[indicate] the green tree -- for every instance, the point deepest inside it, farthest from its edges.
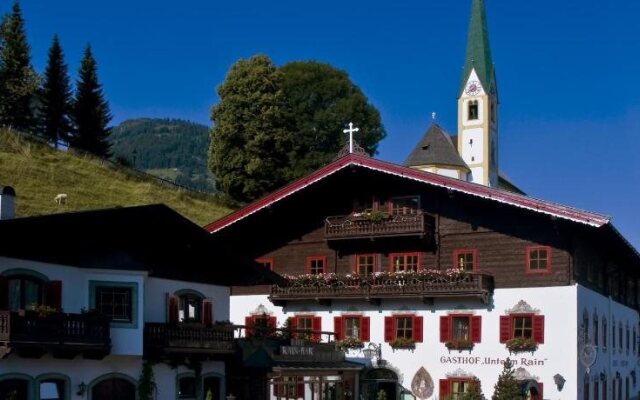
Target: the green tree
(321, 100)
(55, 97)
(250, 143)
(18, 80)
(507, 387)
(91, 113)
(475, 391)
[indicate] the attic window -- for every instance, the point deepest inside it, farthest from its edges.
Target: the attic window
(472, 113)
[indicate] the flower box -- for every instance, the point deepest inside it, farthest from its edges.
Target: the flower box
(521, 345)
(459, 345)
(349, 344)
(403, 344)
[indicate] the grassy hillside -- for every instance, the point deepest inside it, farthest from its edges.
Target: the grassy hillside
(39, 172)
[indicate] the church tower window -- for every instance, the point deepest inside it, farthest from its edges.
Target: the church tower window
(472, 112)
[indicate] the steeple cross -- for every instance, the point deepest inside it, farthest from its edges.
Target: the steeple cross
(350, 131)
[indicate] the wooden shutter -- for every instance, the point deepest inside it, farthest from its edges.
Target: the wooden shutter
(444, 388)
(338, 327)
(417, 329)
(248, 326)
(207, 311)
(173, 302)
(476, 328)
(445, 331)
(389, 329)
(272, 323)
(52, 292)
(4, 293)
(316, 327)
(365, 327)
(538, 328)
(541, 391)
(300, 386)
(505, 328)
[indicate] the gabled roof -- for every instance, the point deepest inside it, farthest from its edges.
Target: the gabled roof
(435, 147)
(456, 185)
(478, 54)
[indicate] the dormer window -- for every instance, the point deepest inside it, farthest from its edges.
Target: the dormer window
(472, 110)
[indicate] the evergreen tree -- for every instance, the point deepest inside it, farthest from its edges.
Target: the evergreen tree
(507, 387)
(249, 142)
(18, 80)
(55, 106)
(475, 391)
(91, 113)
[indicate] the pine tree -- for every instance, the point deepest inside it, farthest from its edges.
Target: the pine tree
(507, 387)
(55, 107)
(18, 80)
(475, 391)
(91, 113)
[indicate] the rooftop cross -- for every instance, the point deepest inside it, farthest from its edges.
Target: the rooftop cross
(350, 131)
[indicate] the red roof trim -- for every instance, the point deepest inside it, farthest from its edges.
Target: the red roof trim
(553, 209)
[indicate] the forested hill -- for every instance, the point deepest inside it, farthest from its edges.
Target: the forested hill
(170, 148)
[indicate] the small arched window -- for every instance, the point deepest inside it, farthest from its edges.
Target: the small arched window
(596, 330)
(189, 306)
(585, 326)
(23, 289)
(472, 111)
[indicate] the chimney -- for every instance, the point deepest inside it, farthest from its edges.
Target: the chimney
(7, 198)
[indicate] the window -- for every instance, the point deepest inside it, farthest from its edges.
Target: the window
(403, 326)
(407, 205)
(53, 387)
(604, 389)
(15, 388)
(538, 259)
(187, 387)
(316, 265)
(596, 331)
(117, 300)
(260, 325)
(306, 327)
(596, 389)
(472, 112)
(190, 308)
(585, 327)
(366, 264)
(526, 326)
(604, 334)
(288, 387)
(628, 339)
(188, 305)
(613, 335)
(22, 289)
(465, 259)
(455, 389)
(620, 341)
(458, 389)
(461, 328)
(355, 326)
(585, 388)
(265, 262)
(404, 262)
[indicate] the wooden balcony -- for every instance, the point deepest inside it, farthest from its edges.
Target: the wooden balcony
(30, 334)
(376, 224)
(183, 339)
(374, 289)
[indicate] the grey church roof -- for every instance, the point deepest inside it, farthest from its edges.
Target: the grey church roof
(435, 147)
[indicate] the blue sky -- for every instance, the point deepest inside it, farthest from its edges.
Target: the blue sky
(567, 73)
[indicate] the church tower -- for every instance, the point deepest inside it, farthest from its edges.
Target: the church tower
(478, 104)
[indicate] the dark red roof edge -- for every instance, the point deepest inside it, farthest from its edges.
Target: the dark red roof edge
(541, 206)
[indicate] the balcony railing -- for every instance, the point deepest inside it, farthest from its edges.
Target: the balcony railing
(375, 223)
(417, 285)
(188, 338)
(32, 334)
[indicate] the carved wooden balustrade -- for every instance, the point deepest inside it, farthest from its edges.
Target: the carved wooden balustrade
(188, 338)
(31, 334)
(376, 288)
(375, 223)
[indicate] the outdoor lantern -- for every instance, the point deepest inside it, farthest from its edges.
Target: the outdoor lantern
(559, 381)
(82, 388)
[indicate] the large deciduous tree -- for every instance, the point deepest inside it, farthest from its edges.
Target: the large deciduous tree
(18, 80)
(250, 143)
(321, 101)
(91, 113)
(55, 98)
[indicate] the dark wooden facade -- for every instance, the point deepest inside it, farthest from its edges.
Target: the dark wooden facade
(500, 235)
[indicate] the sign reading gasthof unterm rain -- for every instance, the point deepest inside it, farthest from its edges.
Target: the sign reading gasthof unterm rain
(477, 360)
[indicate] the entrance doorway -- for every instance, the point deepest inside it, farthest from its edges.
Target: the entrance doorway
(113, 389)
(380, 380)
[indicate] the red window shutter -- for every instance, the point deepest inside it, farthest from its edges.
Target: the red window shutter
(172, 307)
(417, 329)
(53, 294)
(538, 328)
(272, 323)
(476, 329)
(4, 293)
(389, 329)
(248, 326)
(540, 390)
(445, 332)
(505, 328)
(207, 311)
(365, 327)
(337, 327)
(300, 387)
(316, 327)
(444, 388)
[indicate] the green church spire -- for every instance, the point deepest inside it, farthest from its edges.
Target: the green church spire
(478, 54)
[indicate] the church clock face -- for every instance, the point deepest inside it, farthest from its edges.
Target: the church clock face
(474, 88)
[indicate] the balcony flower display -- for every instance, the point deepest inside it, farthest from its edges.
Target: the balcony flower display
(402, 343)
(521, 345)
(452, 275)
(349, 343)
(459, 345)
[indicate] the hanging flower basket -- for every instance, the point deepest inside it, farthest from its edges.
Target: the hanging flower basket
(459, 345)
(349, 344)
(403, 344)
(521, 345)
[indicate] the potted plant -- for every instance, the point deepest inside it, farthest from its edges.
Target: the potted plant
(349, 343)
(402, 343)
(520, 345)
(41, 310)
(459, 344)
